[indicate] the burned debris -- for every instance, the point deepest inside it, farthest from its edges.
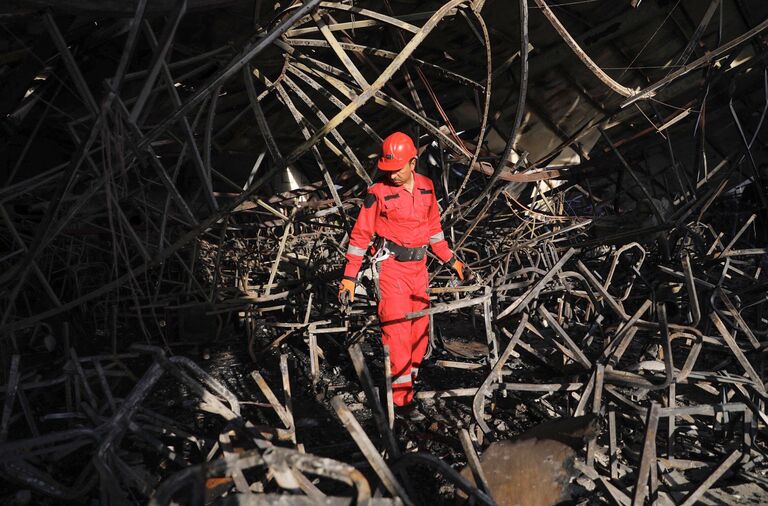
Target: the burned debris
(180, 179)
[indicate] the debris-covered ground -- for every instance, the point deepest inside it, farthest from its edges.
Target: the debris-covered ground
(179, 181)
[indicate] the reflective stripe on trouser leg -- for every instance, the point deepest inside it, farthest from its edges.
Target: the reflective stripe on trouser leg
(402, 390)
(405, 379)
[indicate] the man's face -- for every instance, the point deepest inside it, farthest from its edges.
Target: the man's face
(403, 175)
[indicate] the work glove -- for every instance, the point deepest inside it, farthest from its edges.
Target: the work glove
(462, 271)
(346, 291)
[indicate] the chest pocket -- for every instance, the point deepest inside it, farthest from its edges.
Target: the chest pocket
(423, 202)
(391, 206)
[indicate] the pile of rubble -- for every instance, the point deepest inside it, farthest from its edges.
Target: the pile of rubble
(654, 358)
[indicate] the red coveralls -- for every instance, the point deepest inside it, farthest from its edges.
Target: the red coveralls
(411, 220)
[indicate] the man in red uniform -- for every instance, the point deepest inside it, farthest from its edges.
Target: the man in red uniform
(402, 213)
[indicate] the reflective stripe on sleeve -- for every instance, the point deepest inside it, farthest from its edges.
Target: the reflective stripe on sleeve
(354, 250)
(440, 236)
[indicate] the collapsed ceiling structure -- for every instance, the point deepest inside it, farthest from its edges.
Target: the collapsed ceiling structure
(179, 180)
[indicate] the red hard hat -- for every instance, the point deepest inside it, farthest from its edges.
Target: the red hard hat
(397, 150)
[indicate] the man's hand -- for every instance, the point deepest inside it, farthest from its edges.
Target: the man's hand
(346, 291)
(462, 271)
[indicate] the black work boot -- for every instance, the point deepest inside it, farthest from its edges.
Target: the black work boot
(409, 412)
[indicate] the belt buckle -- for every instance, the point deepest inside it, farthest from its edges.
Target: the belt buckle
(382, 253)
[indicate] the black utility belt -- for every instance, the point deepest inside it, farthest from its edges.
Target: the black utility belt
(401, 253)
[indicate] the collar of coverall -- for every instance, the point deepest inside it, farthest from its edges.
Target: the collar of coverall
(418, 184)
